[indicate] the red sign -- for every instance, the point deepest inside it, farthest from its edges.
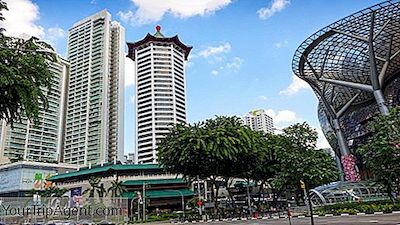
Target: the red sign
(199, 203)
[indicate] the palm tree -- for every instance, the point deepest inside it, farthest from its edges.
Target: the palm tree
(59, 192)
(117, 188)
(94, 185)
(53, 191)
(101, 191)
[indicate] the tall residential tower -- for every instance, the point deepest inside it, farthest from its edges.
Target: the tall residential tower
(160, 90)
(258, 120)
(94, 129)
(42, 141)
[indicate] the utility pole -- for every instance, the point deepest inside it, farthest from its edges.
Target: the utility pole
(199, 193)
(138, 206)
(144, 201)
(248, 198)
(307, 200)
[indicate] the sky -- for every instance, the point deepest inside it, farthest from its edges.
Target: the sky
(242, 49)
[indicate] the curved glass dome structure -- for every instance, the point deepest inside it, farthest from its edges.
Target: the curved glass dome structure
(353, 67)
(340, 191)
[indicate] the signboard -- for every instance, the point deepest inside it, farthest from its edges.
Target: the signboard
(76, 191)
(302, 185)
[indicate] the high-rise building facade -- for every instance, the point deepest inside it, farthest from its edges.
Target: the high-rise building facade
(160, 90)
(42, 141)
(258, 120)
(94, 126)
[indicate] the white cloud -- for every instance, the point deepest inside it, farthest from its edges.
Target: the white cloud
(276, 6)
(283, 116)
(215, 50)
(294, 87)
(281, 44)
(127, 17)
(214, 72)
(189, 64)
(54, 33)
(262, 98)
(153, 11)
(129, 72)
(321, 142)
(235, 64)
(21, 18)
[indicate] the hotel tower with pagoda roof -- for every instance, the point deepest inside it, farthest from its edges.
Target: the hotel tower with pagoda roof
(160, 90)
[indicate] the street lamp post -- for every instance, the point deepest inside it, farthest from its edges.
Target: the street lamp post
(144, 201)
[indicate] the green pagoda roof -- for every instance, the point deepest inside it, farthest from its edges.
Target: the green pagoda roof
(155, 181)
(167, 193)
(105, 168)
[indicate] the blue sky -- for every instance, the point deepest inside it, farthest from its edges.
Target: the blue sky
(242, 49)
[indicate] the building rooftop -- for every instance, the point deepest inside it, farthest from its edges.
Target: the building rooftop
(166, 193)
(155, 181)
(158, 37)
(105, 168)
(31, 164)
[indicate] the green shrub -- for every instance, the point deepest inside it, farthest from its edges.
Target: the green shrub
(354, 208)
(348, 211)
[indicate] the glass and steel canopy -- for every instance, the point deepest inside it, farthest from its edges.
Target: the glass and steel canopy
(345, 191)
(351, 61)
(339, 61)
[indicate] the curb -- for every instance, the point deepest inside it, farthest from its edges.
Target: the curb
(279, 217)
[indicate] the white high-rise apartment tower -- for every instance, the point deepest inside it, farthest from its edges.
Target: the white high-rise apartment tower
(42, 141)
(258, 120)
(94, 126)
(160, 90)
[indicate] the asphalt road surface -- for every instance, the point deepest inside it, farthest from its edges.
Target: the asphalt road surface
(386, 219)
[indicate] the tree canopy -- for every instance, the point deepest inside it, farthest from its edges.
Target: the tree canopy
(381, 153)
(299, 159)
(224, 148)
(25, 77)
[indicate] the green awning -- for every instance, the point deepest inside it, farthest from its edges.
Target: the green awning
(106, 167)
(136, 166)
(81, 172)
(154, 181)
(167, 193)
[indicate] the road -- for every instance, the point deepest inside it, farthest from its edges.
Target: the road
(386, 219)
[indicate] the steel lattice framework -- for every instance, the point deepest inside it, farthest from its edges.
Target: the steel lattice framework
(349, 61)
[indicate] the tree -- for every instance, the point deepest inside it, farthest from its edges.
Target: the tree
(94, 187)
(224, 148)
(54, 191)
(207, 150)
(25, 77)
(381, 153)
(3, 6)
(299, 159)
(116, 188)
(182, 151)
